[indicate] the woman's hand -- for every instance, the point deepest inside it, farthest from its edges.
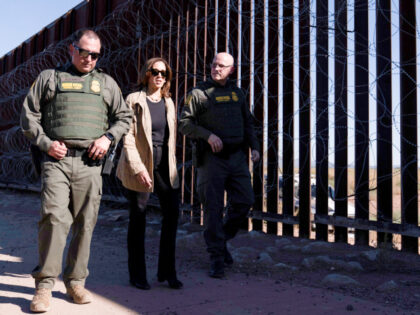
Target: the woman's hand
(144, 178)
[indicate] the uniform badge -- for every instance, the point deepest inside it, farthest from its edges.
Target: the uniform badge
(95, 86)
(71, 86)
(222, 99)
(235, 97)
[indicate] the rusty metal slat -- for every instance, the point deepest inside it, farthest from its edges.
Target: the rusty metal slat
(2, 65)
(139, 44)
(67, 24)
(408, 79)
(361, 117)
(10, 61)
(187, 84)
(340, 116)
(222, 23)
(234, 35)
(273, 113)
(288, 111)
(211, 28)
(195, 202)
(116, 3)
(304, 120)
(384, 113)
(258, 76)
(321, 115)
(81, 18)
(245, 53)
(245, 60)
(53, 33)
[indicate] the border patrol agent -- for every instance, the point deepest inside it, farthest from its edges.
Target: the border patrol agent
(217, 117)
(72, 115)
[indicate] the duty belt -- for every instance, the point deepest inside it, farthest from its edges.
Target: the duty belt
(75, 152)
(228, 150)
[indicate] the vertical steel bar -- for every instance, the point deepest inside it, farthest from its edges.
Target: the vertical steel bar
(273, 113)
(187, 52)
(321, 204)
(221, 28)
(384, 115)
(408, 77)
(361, 116)
(256, 98)
(304, 120)
(340, 116)
(288, 192)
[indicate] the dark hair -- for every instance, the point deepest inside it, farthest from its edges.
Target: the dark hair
(90, 33)
(145, 75)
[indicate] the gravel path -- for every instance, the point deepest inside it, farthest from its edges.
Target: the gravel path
(270, 275)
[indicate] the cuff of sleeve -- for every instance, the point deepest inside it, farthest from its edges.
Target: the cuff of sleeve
(205, 135)
(45, 144)
(137, 168)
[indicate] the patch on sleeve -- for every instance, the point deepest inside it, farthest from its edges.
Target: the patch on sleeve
(188, 99)
(235, 97)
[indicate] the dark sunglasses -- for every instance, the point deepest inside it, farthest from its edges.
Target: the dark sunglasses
(86, 53)
(155, 72)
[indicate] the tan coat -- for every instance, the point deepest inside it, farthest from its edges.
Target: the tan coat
(137, 153)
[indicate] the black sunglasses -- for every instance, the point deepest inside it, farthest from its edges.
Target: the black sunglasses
(155, 72)
(86, 53)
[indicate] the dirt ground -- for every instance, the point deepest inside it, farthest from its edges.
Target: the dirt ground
(253, 285)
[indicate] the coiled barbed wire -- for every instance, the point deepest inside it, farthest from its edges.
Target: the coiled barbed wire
(138, 30)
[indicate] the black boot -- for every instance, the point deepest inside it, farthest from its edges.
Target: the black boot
(140, 284)
(173, 281)
(228, 257)
(217, 268)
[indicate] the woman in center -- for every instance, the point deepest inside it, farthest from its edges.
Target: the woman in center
(148, 164)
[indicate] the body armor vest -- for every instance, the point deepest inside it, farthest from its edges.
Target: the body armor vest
(224, 116)
(78, 110)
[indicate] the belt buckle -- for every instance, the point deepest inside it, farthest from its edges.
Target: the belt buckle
(71, 152)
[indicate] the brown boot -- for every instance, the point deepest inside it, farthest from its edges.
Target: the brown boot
(79, 294)
(42, 300)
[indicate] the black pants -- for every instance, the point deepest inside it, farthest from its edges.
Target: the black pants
(216, 175)
(169, 203)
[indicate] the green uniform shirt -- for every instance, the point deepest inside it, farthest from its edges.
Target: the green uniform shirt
(197, 103)
(43, 92)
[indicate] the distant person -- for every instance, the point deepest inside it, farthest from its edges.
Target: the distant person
(217, 116)
(72, 114)
(148, 164)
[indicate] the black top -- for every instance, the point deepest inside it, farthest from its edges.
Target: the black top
(159, 124)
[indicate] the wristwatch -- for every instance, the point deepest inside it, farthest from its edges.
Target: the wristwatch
(109, 136)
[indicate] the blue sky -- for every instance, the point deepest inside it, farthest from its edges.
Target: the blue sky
(20, 19)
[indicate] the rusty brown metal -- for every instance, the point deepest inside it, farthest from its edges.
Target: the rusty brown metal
(340, 116)
(361, 117)
(288, 191)
(321, 203)
(409, 159)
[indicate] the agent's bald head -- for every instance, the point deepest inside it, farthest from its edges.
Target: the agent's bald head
(222, 67)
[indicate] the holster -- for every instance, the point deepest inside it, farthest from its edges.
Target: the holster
(36, 157)
(197, 153)
(109, 161)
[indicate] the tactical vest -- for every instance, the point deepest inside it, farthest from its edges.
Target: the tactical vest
(224, 116)
(78, 110)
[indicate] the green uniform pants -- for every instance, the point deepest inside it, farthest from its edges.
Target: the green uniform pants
(70, 197)
(214, 176)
